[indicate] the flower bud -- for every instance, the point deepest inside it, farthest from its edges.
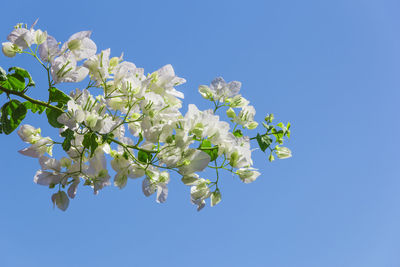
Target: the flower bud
(40, 37)
(9, 49)
(283, 152)
(205, 92)
(271, 158)
(252, 125)
(215, 198)
(231, 113)
(238, 101)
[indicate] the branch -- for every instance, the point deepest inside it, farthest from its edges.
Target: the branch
(130, 146)
(34, 101)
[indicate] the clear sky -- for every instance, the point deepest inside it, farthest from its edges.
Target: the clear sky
(331, 68)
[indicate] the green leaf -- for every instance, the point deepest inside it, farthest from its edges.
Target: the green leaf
(238, 133)
(144, 157)
(16, 81)
(52, 116)
(90, 141)
(207, 147)
(34, 107)
(12, 113)
(24, 74)
(278, 135)
(264, 141)
(69, 136)
(287, 131)
(58, 96)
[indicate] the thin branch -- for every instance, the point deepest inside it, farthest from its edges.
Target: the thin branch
(34, 101)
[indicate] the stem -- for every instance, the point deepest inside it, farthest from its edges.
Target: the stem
(129, 146)
(34, 101)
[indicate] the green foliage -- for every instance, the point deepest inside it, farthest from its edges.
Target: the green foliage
(264, 141)
(90, 142)
(144, 157)
(12, 113)
(238, 133)
(34, 107)
(52, 116)
(21, 73)
(207, 147)
(16, 79)
(69, 136)
(57, 96)
(279, 132)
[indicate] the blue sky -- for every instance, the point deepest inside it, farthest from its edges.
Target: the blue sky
(331, 68)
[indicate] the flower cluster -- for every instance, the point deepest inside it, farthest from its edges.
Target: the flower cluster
(136, 120)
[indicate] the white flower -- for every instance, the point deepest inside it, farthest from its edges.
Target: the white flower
(73, 116)
(9, 49)
(49, 49)
(73, 188)
(156, 181)
(47, 178)
(219, 90)
(29, 134)
(21, 37)
(237, 150)
(61, 200)
(283, 152)
(98, 66)
(64, 69)
(80, 45)
(202, 124)
(36, 150)
(199, 193)
(128, 78)
(215, 198)
(248, 175)
(98, 170)
(246, 116)
(163, 81)
(49, 164)
(39, 37)
(194, 161)
(125, 168)
(191, 179)
(237, 101)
